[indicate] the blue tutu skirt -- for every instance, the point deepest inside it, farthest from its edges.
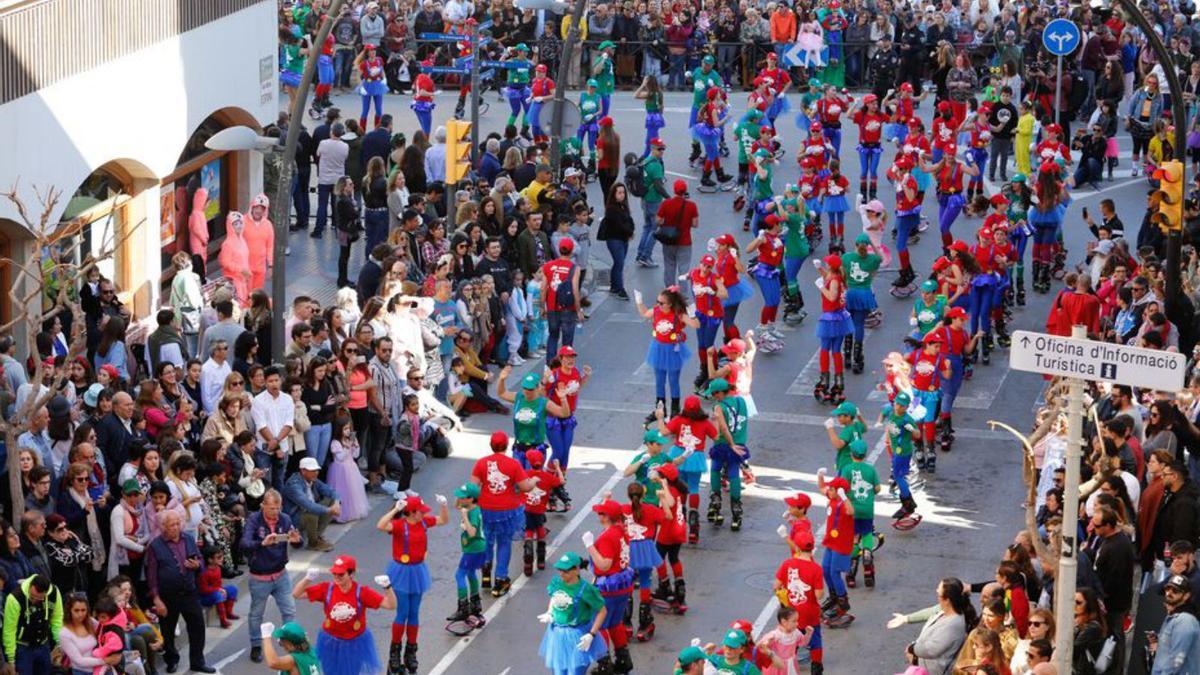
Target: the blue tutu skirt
(924, 180)
(929, 401)
(504, 523)
(697, 462)
(705, 134)
(348, 657)
(289, 79)
(983, 281)
(751, 406)
(558, 649)
(802, 121)
(834, 325)
(472, 561)
(835, 204)
(643, 555)
(779, 107)
(654, 120)
(894, 131)
(410, 578)
(516, 93)
(372, 88)
(664, 356)
(723, 455)
(813, 205)
(869, 149)
(324, 69)
(422, 106)
(737, 293)
(860, 300)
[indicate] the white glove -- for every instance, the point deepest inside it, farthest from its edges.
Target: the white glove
(383, 581)
(695, 642)
(401, 501)
(440, 499)
(588, 539)
(829, 423)
(782, 531)
(821, 472)
(637, 296)
(266, 630)
(687, 453)
(820, 284)
(545, 618)
(585, 642)
(841, 494)
(912, 320)
(311, 574)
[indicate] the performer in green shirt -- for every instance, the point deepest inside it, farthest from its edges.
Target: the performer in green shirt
(517, 91)
(297, 657)
(703, 79)
(573, 618)
(602, 70)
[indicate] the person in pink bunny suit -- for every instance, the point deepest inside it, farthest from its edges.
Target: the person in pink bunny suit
(198, 231)
(235, 257)
(260, 240)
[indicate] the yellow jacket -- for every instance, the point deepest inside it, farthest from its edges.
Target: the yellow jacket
(566, 26)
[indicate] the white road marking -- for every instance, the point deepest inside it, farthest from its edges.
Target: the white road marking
(643, 374)
(229, 659)
(583, 512)
(806, 379)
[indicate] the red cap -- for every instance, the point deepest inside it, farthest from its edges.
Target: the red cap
(944, 106)
(985, 233)
(343, 564)
(415, 504)
(657, 143)
(691, 403)
(941, 263)
(608, 508)
(1053, 128)
(772, 56)
(807, 162)
(471, 21)
(772, 219)
(950, 150)
(566, 246)
(499, 441)
(1049, 167)
(906, 86)
(726, 240)
(960, 246)
(734, 346)
(904, 162)
(668, 471)
(106, 368)
(803, 539)
(838, 482)
(956, 313)
(798, 501)
(567, 350)
(815, 126)
(933, 338)
(680, 187)
(606, 121)
(535, 458)
(712, 93)
(708, 260)
(744, 626)
(541, 68)
(998, 199)
(834, 261)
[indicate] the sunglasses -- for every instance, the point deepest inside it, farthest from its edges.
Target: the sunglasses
(1037, 623)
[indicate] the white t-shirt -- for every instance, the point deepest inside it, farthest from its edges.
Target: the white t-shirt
(331, 160)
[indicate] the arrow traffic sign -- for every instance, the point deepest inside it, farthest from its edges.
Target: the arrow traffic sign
(1097, 361)
(1061, 37)
(795, 57)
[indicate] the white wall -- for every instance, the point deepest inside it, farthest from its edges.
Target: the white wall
(142, 107)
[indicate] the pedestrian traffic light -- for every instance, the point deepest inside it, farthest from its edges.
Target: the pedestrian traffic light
(1167, 201)
(458, 150)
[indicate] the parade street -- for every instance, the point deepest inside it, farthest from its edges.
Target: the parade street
(971, 508)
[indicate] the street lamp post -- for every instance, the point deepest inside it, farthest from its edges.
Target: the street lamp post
(557, 105)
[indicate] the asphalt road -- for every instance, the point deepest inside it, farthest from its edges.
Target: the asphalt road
(971, 508)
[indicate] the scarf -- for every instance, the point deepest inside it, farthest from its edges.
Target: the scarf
(93, 530)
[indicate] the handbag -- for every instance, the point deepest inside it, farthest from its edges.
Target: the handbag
(668, 235)
(1193, 140)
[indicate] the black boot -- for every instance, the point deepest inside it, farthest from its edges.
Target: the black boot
(723, 177)
(706, 179)
(501, 587)
(622, 661)
(679, 604)
(395, 665)
(852, 575)
(820, 391)
(663, 592)
(528, 557)
(541, 554)
(987, 349)
(645, 629)
(410, 658)
(847, 348)
(674, 407)
(463, 611)
(693, 520)
(702, 376)
(604, 666)
(735, 510)
(816, 669)
(1020, 295)
(931, 461)
(476, 604)
(859, 362)
(837, 389)
(919, 453)
(486, 575)
(651, 417)
(628, 618)
(1002, 337)
(695, 153)
(714, 510)
(868, 562)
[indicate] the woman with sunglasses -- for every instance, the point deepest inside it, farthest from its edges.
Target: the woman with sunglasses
(1041, 627)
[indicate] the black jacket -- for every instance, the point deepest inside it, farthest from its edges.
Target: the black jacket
(368, 281)
(1113, 564)
(113, 440)
(1176, 519)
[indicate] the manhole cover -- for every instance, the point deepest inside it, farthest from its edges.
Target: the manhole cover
(762, 581)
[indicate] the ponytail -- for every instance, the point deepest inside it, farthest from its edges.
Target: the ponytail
(636, 492)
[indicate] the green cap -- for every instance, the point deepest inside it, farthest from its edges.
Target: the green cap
(652, 436)
(708, 58)
(131, 487)
(734, 639)
(902, 399)
(753, 114)
(607, 44)
(718, 385)
(592, 83)
(467, 491)
(531, 381)
(521, 47)
(689, 655)
(1019, 178)
(846, 408)
(292, 632)
(569, 561)
(858, 448)
(862, 239)
(929, 286)
(814, 83)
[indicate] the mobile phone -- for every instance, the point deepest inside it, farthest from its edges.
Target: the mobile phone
(1085, 215)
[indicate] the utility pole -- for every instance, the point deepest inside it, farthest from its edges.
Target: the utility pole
(1068, 563)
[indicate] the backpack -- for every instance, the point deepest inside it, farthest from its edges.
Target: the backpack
(635, 175)
(564, 295)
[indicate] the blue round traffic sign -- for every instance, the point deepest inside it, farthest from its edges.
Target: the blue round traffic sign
(1061, 37)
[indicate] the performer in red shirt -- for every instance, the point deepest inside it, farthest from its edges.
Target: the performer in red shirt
(832, 328)
(408, 522)
(870, 120)
(672, 534)
(839, 544)
(709, 290)
(540, 91)
(501, 480)
(609, 554)
(536, 502)
(345, 645)
(799, 584)
(642, 523)
(422, 104)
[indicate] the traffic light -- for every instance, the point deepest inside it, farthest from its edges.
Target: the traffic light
(1167, 201)
(458, 150)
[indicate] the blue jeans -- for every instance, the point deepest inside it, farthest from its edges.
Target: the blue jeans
(617, 248)
(645, 250)
(1091, 170)
(317, 440)
(32, 660)
(324, 196)
(300, 201)
(675, 77)
(260, 591)
(834, 565)
(561, 324)
(376, 221)
(342, 60)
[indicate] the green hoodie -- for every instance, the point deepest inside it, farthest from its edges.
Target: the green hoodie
(16, 608)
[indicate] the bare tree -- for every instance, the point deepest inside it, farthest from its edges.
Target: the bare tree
(43, 288)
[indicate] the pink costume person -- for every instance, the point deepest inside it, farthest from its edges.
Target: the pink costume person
(260, 240)
(784, 645)
(198, 230)
(235, 257)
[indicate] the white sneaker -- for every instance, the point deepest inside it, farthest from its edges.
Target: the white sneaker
(287, 250)
(515, 360)
(774, 331)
